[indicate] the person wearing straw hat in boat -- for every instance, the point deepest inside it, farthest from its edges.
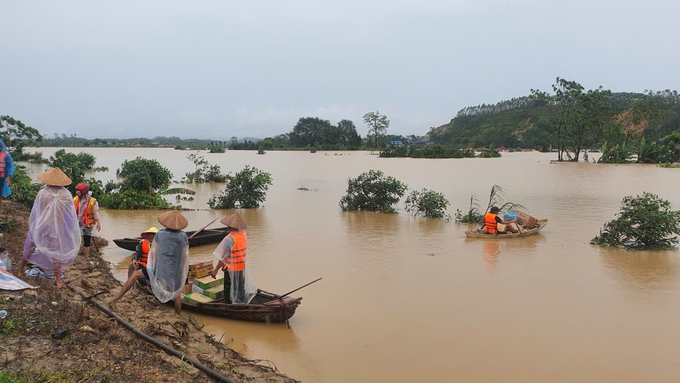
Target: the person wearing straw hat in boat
(137, 269)
(231, 253)
(53, 237)
(168, 260)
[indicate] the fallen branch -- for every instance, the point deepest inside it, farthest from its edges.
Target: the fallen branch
(182, 356)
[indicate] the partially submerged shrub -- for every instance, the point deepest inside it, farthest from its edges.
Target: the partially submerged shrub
(204, 172)
(143, 174)
(373, 191)
(645, 222)
(428, 203)
(246, 189)
(491, 152)
(23, 188)
(473, 214)
(131, 200)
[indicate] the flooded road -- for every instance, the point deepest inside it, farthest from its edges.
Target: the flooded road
(405, 299)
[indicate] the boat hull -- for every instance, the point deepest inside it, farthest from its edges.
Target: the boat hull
(477, 234)
(203, 238)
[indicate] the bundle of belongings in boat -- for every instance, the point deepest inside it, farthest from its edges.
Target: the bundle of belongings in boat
(202, 288)
(524, 220)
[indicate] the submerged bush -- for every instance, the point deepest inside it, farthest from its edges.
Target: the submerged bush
(142, 174)
(246, 189)
(428, 203)
(473, 214)
(204, 172)
(491, 152)
(645, 222)
(131, 200)
(373, 191)
(23, 188)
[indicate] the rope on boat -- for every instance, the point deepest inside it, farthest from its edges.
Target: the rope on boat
(184, 357)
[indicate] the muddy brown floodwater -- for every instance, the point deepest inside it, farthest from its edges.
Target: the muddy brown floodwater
(405, 299)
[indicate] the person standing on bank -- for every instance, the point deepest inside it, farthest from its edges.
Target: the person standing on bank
(6, 172)
(231, 253)
(87, 210)
(168, 260)
(53, 237)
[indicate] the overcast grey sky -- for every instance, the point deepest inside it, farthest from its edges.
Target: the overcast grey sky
(215, 69)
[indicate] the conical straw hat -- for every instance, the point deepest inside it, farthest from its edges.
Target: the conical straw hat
(152, 230)
(54, 177)
(173, 220)
(234, 221)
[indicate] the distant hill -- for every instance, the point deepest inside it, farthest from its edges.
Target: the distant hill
(528, 123)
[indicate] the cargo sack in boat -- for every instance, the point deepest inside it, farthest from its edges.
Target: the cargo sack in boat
(501, 227)
(196, 298)
(206, 283)
(510, 216)
(526, 220)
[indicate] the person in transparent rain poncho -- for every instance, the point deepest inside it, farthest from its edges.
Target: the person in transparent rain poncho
(168, 260)
(53, 237)
(239, 287)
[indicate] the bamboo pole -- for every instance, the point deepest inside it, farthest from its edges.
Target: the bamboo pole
(200, 366)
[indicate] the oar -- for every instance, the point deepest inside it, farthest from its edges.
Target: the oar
(201, 229)
(290, 292)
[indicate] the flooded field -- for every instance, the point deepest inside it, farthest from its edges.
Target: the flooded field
(406, 299)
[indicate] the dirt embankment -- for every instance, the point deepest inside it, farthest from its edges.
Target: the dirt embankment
(94, 346)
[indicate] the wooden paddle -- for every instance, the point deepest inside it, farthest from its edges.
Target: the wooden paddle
(201, 229)
(292, 291)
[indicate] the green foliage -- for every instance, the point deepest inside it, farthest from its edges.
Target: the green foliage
(246, 189)
(377, 125)
(204, 173)
(427, 151)
(649, 152)
(373, 191)
(428, 203)
(23, 188)
(74, 166)
(490, 152)
(615, 154)
(260, 150)
(216, 148)
(645, 222)
(473, 214)
(16, 135)
(144, 175)
(34, 158)
(131, 200)
(316, 132)
(672, 144)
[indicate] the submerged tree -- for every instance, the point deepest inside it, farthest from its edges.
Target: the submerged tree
(377, 125)
(373, 191)
(427, 203)
(645, 222)
(204, 172)
(245, 189)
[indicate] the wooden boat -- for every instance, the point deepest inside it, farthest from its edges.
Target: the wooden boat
(264, 307)
(480, 233)
(203, 238)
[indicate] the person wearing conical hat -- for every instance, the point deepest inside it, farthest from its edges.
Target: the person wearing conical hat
(231, 255)
(53, 237)
(137, 270)
(168, 261)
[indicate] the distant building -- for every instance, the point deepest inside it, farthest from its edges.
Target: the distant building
(395, 143)
(421, 142)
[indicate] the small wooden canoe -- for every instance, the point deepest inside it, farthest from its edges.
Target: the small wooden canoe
(264, 307)
(203, 238)
(482, 234)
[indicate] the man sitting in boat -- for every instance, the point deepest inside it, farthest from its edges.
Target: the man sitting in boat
(492, 220)
(231, 254)
(137, 269)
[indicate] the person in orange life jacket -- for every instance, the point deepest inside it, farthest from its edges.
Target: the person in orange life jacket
(6, 172)
(87, 210)
(137, 269)
(491, 221)
(232, 254)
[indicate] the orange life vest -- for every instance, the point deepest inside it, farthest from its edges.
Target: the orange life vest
(145, 252)
(3, 155)
(89, 211)
(236, 261)
(490, 223)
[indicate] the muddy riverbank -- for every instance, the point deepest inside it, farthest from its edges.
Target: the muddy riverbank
(95, 347)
